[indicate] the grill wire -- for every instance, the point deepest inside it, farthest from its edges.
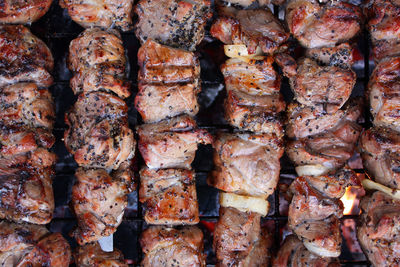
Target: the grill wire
(57, 30)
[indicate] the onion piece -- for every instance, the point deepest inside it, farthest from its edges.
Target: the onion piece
(312, 170)
(240, 51)
(371, 185)
(320, 250)
(244, 203)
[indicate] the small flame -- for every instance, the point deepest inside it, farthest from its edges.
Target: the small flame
(349, 199)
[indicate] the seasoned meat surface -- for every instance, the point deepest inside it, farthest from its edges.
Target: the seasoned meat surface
(340, 55)
(99, 135)
(383, 93)
(100, 13)
(176, 23)
(249, 3)
(169, 196)
(253, 28)
(32, 245)
(99, 200)
(169, 77)
(322, 23)
(24, 57)
(97, 60)
(378, 231)
(239, 239)
(383, 25)
(165, 246)
(22, 12)
(293, 253)
(171, 143)
(91, 255)
(246, 164)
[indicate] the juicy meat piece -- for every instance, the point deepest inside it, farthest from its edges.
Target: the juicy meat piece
(165, 246)
(32, 245)
(91, 255)
(23, 12)
(24, 57)
(169, 77)
(247, 164)
(325, 23)
(26, 104)
(177, 23)
(169, 196)
(378, 231)
(239, 239)
(319, 138)
(339, 55)
(171, 143)
(293, 253)
(97, 59)
(99, 135)
(383, 93)
(380, 151)
(100, 13)
(323, 87)
(383, 25)
(99, 200)
(253, 28)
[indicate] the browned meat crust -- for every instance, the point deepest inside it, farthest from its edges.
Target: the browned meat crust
(91, 255)
(23, 12)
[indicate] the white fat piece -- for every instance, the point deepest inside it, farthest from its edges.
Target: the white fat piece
(371, 185)
(320, 251)
(312, 170)
(240, 51)
(244, 203)
(107, 243)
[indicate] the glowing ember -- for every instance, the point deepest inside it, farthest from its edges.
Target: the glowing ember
(350, 201)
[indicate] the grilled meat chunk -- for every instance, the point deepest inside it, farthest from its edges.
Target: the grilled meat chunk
(176, 23)
(294, 253)
(383, 93)
(91, 255)
(383, 25)
(325, 23)
(32, 245)
(99, 200)
(97, 59)
(239, 239)
(338, 56)
(380, 150)
(99, 135)
(254, 100)
(249, 3)
(323, 87)
(165, 246)
(24, 57)
(169, 77)
(23, 12)
(100, 13)
(253, 28)
(378, 231)
(169, 196)
(246, 164)
(26, 104)
(171, 143)
(325, 139)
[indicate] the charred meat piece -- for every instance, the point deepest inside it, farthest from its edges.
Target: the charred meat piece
(383, 93)
(165, 246)
(323, 87)
(380, 150)
(171, 143)
(253, 28)
(254, 100)
(239, 239)
(26, 104)
(100, 13)
(97, 59)
(23, 12)
(247, 164)
(169, 196)
(338, 56)
(294, 253)
(91, 255)
(99, 135)
(325, 23)
(176, 23)
(320, 138)
(24, 57)
(168, 82)
(99, 200)
(383, 25)
(32, 245)
(378, 231)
